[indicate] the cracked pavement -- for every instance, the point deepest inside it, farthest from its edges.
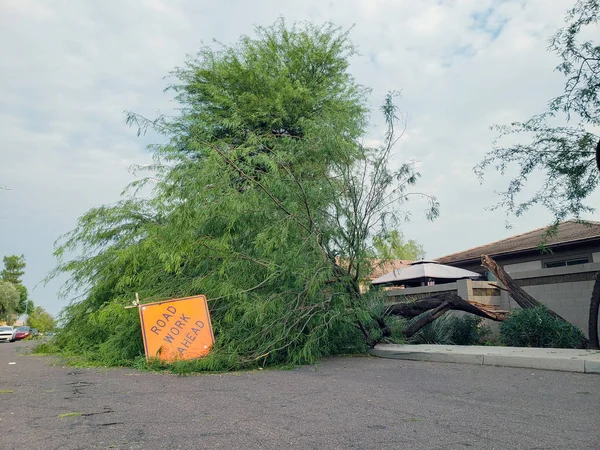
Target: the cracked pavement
(359, 402)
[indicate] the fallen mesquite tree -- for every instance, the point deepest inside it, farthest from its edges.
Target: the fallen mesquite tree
(261, 186)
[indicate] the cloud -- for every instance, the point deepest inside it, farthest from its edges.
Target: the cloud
(69, 70)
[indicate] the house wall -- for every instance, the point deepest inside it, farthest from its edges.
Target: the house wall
(524, 266)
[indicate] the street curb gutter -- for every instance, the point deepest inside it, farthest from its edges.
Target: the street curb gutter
(581, 361)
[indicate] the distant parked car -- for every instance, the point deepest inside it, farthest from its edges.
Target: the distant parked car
(7, 334)
(22, 333)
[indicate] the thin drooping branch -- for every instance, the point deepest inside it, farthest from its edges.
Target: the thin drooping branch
(261, 186)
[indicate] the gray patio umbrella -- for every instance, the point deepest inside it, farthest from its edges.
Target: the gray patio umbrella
(420, 270)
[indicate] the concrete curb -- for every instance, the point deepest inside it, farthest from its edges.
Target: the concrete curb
(567, 360)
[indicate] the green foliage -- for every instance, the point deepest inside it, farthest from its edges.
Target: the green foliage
(468, 330)
(391, 245)
(41, 319)
(439, 331)
(449, 329)
(263, 199)
(396, 325)
(14, 269)
(535, 327)
(563, 152)
(9, 300)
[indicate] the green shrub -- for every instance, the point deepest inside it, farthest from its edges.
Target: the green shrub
(451, 330)
(537, 328)
(396, 326)
(467, 330)
(437, 332)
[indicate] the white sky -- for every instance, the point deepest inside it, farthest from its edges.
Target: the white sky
(69, 70)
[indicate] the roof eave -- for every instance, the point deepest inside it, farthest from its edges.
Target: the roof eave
(519, 252)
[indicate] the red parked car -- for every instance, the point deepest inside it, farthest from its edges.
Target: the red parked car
(22, 333)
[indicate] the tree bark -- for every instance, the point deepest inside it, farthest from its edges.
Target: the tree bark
(452, 301)
(595, 300)
(436, 313)
(593, 318)
(523, 299)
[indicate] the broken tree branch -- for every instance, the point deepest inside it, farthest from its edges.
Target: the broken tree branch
(519, 295)
(453, 301)
(436, 313)
(523, 299)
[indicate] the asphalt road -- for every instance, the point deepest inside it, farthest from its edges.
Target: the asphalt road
(342, 403)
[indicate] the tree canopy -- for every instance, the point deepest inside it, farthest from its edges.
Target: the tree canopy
(40, 319)
(9, 300)
(391, 245)
(263, 199)
(14, 269)
(563, 139)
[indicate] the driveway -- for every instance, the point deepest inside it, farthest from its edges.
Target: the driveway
(360, 402)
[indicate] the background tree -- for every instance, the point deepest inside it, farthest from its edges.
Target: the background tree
(41, 319)
(391, 245)
(9, 300)
(563, 139)
(264, 200)
(14, 269)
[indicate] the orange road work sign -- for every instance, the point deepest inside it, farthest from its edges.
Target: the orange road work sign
(176, 329)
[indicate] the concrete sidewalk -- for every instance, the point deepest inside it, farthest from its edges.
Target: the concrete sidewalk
(585, 361)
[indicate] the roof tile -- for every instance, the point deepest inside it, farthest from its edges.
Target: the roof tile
(570, 231)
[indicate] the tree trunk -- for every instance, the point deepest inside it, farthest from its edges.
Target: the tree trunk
(593, 319)
(436, 313)
(595, 300)
(598, 155)
(452, 301)
(523, 299)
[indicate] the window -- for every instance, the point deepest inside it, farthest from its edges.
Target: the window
(567, 262)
